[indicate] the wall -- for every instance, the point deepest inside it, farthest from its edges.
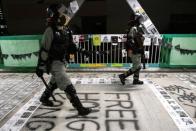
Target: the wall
(19, 51)
(179, 50)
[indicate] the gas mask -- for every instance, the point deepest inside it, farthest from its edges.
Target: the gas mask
(61, 20)
(56, 15)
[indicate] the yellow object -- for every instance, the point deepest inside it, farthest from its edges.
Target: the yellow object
(93, 65)
(96, 40)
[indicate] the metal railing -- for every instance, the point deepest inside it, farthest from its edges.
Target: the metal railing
(113, 52)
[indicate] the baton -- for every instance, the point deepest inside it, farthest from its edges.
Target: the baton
(48, 88)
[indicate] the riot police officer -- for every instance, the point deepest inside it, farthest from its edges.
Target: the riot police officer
(56, 42)
(134, 46)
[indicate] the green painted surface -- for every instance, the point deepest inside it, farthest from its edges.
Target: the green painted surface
(177, 58)
(21, 53)
(171, 57)
(21, 37)
(24, 47)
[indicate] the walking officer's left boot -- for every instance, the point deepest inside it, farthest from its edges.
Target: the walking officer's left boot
(124, 76)
(136, 80)
(73, 98)
(44, 99)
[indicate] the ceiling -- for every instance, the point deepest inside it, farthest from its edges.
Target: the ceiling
(28, 16)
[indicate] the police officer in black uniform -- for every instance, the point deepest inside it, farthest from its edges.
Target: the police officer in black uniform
(135, 49)
(56, 43)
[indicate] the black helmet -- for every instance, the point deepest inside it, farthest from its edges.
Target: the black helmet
(55, 14)
(55, 9)
(137, 18)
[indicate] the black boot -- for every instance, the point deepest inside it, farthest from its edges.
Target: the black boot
(47, 94)
(137, 82)
(124, 76)
(83, 111)
(72, 96)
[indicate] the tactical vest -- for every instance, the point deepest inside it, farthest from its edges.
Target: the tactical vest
(136, 43)
(61, 41)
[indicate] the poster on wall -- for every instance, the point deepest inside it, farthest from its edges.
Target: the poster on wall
(76, 39)
(74, 6)
(124, 53)
(147, 54)
(104, 38)
(147, 41)
(96, 40)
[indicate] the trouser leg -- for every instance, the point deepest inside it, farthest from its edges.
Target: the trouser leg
(58, 71)
(136, 67)
(64, 83)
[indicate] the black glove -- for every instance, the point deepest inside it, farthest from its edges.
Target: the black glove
(41, 68)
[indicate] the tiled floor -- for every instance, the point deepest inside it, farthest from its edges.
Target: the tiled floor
(166, 102)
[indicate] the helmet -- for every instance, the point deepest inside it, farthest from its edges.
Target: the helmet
(55, 14)
(137, 18)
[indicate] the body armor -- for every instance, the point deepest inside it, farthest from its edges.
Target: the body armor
(61, 44)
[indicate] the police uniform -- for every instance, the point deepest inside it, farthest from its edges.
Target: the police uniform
(55, 44)
(135, 50)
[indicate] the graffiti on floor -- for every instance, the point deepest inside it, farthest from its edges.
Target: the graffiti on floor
(78, 81)
(189, 78)
(182, 120)
(184, 95)
(94, 78)
(156, 75)
(93, 75)
(111, 111)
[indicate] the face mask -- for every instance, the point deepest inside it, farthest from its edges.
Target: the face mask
(62, 21)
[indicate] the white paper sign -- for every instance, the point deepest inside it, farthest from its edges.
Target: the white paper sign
(147, 54)
(147, 41)
(74, 6)
(76, 39)
(124, 53)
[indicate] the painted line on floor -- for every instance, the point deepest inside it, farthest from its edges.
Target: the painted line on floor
(18, 93)
(182, 120)
(98, 81)
(19, 119)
